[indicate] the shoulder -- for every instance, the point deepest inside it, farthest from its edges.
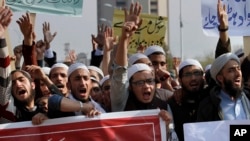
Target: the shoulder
(163, 94)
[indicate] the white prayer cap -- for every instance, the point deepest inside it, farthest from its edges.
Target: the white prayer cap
(153, 49)
(46, 70)
(190, 62)
(60, 65)
(220, 62)
(98, 70)
(136, 68)
(135, 57)
(208, 67)
(105, 78)
(239, 52)
(76, 66)
(94, 79)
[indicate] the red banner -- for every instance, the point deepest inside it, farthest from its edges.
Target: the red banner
(120, 126)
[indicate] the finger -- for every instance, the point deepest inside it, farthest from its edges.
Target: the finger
(224, 7)
(99, 28)
(140, 22)
(136, 8)
(139, 10)
(28, 17)
(131, 9)
(3, 3)
(54, 34)
(125, 14)
(48, 26)
(106, 28)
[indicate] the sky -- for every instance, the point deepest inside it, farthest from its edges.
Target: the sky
(77, 30)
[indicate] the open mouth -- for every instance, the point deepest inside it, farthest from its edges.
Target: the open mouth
(146, 95)
(194, 84)
(83, 90)
(60, 86)
(21, 92)
(237, 82)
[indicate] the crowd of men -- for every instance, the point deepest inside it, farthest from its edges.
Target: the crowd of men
(115, 81)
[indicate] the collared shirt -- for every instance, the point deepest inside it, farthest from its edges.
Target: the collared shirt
(231, 109)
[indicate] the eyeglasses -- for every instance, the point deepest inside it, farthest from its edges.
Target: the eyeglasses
(190, 74)
(141, 83)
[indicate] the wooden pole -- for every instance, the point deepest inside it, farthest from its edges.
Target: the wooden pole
(246, 42)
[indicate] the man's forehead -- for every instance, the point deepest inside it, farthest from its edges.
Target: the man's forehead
(80, 72)
(191, 68)
(17, 75)
(231, 64)
(58, 69)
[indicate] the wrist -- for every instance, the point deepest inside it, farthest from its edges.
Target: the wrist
(27, 42)
(81, 106)
(164, 77)
(222, 29)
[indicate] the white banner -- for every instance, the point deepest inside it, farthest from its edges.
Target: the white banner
(238, 17)
(215, 131)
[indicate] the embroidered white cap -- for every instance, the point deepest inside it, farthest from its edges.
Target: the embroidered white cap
(190, 62)
(76, 66)
(135, 57)
(105, 78)
(153, 49)
(98, 70)
(136, 68)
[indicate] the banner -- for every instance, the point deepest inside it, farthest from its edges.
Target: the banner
(238, 16)
(58, 7)
(226, 130)
(118, 126)
(151, 32)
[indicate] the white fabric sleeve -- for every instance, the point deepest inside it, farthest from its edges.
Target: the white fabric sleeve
(98, 52)
(49, 53)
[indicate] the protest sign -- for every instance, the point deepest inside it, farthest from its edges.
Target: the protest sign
(134, 126)
(238, 17)
(151, 32)
(226, 130)
(58, 7)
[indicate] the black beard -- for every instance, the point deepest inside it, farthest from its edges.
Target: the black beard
(233, 92)
(27, 101)
(192, 95)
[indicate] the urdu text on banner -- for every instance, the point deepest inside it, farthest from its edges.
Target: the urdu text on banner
(238, 17)
(145, 125)
(151, 32)
(57, 7)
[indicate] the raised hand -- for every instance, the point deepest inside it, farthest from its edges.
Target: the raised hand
(40, 49)
(48, 37)
(27, 29)
(109, 39)
(72, 56)
(36, 72)
(5, 18)
(222, 15)
(132, 20)
(98, 41)
(141, 48)
(18, 55)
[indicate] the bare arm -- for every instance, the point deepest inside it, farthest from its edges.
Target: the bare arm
(132, 23)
